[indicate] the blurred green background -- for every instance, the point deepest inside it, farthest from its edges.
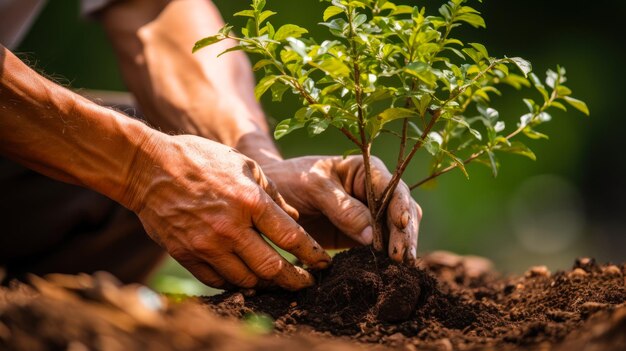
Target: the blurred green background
(569, 203)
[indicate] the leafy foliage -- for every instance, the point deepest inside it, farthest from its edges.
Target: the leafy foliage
(384, 62)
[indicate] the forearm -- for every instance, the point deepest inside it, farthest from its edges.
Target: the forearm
(181, 92)
(62, 135)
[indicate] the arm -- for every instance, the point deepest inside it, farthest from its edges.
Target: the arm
(213, 97)
(181, 92)
(64, 136)
(204, 202)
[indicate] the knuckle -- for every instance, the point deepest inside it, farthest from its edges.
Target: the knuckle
(420, 213)
(182, 256)
(270, 268)
(252, 200)
(351, 211)
(289, 240)
(200, 243)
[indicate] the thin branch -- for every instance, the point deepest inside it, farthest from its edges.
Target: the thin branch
(405, 128)
(366, 144)
(403, 137)
(476, 155)
(446, 170)
(397, 176)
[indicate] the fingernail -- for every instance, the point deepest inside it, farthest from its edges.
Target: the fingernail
(367, 235)
(306, 278)
(404, 220)
(323, 264)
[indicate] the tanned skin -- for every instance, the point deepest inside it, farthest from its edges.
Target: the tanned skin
(200, 183)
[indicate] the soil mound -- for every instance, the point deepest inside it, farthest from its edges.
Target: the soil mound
(362, 302)
(446, 305)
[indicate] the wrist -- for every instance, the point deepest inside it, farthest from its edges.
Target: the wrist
(147, 147)
(259, 146)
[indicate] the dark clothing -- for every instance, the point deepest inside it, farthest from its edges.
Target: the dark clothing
(48, 226)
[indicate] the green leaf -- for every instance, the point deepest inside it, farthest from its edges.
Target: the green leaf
(459, 163)
(422, 71)
(231, 49)
(265, 15)
(351, 152)
(577, 104)
(518, 148)
(265, 83)
(331, 11)
(257, 323)
(376, 123)
(317, 127)
(394, 113)
(480, 48)
(359, 20)
(289, 30)
(562, 91)
(245, 13)
(278, 90)
(262, 63)
(334, 67)
(493, 162)
(475, 55)
(287, 126)
(522, 64)
(559, 105)
(401, 10)
(472, 19)
(533, 134)
(207, 41)
(464, 123)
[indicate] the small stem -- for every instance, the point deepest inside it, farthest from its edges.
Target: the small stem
(446, 170)
(397, 176)
(366, 145)
(405, 125)
(480, 153)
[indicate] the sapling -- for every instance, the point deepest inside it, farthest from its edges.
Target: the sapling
(384, 62)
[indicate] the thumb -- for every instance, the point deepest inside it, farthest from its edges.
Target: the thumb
(348, 214)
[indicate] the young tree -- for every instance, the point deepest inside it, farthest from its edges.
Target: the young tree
(385, 62)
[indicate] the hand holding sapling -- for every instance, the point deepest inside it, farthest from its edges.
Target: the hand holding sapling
(333, 210)
(390, 62)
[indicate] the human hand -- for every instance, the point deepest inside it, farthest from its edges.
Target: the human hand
(329, 193)
(207, 205)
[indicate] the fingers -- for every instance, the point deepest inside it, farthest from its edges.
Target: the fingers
(283, 231)
(207, 275)
(271, 190)
(232, 269)
(403, 217)
(348, 214)
(268, 265)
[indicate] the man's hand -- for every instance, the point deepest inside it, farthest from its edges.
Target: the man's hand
(329, 193)
(207, 205)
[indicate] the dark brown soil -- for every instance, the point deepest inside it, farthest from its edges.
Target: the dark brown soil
(451, 304)
(363, 302)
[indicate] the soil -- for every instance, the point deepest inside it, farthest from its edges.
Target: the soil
(451, 303)
(363, 301)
